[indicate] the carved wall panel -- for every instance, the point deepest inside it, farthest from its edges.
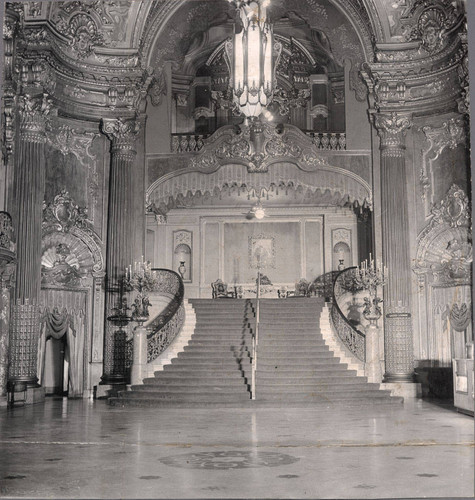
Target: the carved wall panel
(444, 147)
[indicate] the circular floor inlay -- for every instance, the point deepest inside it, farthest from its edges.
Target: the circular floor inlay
(228, 460)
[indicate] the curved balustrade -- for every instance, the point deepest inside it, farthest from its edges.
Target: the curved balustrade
(353, 339)
(163, 328)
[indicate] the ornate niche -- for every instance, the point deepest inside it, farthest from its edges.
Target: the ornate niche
(183, 254)
(341, 248)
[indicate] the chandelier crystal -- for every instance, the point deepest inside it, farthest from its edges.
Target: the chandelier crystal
(253, 47)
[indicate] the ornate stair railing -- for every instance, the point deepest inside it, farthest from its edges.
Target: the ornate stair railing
(163, 328)
(353, 339)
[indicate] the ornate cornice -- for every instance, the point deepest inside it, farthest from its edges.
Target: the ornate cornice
(392, 128)
(34, 111)
(122, 134)
(427, 85)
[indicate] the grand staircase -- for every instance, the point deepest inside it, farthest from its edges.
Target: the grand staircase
(295, 366)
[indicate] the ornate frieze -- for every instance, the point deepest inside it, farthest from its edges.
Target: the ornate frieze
(34, 111)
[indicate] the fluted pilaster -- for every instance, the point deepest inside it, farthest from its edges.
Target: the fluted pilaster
(30, 187)
(398, 334)
(120, 244)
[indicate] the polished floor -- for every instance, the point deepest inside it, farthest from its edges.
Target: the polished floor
(85, 449)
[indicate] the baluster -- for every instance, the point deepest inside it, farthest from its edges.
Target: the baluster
(199, 143)
(192, 143)
(325, 141)
(342, 141)
(183, 143)
(175, 144)
(333, 141)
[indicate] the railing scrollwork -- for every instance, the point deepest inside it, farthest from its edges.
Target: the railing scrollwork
(163, 328)
(353, 338)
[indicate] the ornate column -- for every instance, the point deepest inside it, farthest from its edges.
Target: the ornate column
(7, 270)
(30, 187)
(398, 335)
(120, 244)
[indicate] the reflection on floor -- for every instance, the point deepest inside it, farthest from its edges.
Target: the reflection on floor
(85, 449)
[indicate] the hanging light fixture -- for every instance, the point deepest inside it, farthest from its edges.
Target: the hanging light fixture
(257, 211)
(254, 50)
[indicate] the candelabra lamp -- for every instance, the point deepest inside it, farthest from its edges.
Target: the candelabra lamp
(143, 280)
(370, 277)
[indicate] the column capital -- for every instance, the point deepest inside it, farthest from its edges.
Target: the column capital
(121, 133)
(392, 128)
(34, 111)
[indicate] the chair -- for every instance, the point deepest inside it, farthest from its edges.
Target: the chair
(301, 288)
(220, 290)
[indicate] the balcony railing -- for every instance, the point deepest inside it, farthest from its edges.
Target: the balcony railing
(331, 141)
(192, 143)
(187, 143)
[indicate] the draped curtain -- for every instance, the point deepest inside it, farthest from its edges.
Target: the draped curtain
(64, 315)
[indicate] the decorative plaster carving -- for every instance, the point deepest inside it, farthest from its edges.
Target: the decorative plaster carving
(34, 111)
(60, 266)
(66, 223)
(182, 237)
(449, 135)
(34, 9)
(9, 123)
(89, 24)
(68, 140)
(63, 214)
(257, 146)
(453, 210)
(158, 87)
(445, 244)
(6, 232)
(430, 23)
(341, 235)
(122, 134)
(392, 128)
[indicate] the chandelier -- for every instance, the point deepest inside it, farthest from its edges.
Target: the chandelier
(252, 67)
